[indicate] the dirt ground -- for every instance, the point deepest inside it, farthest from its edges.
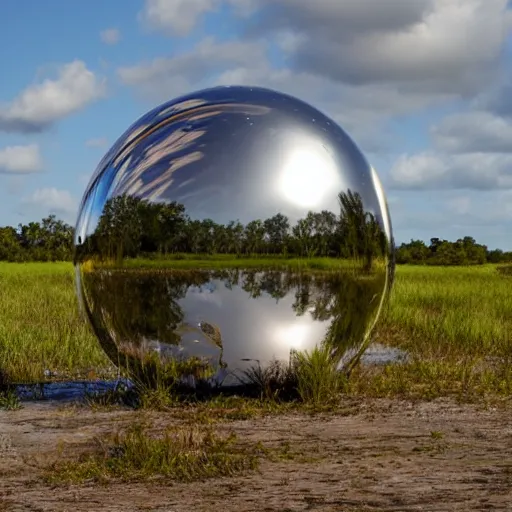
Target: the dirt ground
(386, 455)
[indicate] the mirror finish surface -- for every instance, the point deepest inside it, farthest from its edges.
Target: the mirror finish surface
(229, 227)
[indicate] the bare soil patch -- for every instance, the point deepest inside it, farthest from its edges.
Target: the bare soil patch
(387, 455)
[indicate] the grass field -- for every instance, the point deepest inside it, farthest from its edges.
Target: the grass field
(455, 323)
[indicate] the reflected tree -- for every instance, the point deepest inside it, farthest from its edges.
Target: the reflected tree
(129, 227)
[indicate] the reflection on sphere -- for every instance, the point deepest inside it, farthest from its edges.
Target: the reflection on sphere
(229, 228)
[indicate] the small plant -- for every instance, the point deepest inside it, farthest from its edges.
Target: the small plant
(121, 395)
(181, 453)
(158, 383)
(313, 377)
(9, 400)
(276, 381)
(318, 379)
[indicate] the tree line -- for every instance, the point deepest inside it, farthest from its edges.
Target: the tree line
(50, 239)
(132, 227)
(464, 251)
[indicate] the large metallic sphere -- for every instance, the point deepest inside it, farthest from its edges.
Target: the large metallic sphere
(232, 227)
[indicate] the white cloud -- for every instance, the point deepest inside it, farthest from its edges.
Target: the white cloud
(472, 150)
(359, 109)
(471, 132)
(20, 159)
(417, 46)
(110, 36)
(52, 200)
(40, 105)
(433, 171)
(179, 17)
(364, 63)
(360, 61)
(427, 45)
(175, 16)
(394, 56)
(99, 142)
(205, 63)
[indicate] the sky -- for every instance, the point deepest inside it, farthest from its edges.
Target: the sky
(424, 87)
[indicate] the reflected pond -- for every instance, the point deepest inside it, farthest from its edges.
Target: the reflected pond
(230, 319)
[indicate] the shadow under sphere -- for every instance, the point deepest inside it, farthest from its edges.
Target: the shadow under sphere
(229, 228)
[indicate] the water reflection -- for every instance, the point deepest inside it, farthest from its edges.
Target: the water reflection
(229, 318)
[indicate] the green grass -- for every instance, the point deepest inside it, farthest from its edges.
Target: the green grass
(456, 324)
(465, 309)
(40, 325)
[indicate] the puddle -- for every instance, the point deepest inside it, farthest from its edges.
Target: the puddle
(380, 354)
(71, 391)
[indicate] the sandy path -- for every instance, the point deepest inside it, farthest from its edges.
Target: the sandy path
(382, 457)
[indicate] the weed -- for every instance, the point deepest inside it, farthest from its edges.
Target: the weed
(9, 400)
(181, 453)
(317, 375)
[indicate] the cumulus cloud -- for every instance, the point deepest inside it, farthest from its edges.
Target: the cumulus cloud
(425, 45)
(208, 59)
(179, 17)
(472, 150)
(359, 109)
(472, 132)
(434, 171)
(40, 105)
(362, 62)
(175, 16)
(110, 36)
(20, 159)
(422, 45)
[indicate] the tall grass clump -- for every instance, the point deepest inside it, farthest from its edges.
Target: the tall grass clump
(312, 377)
(159, 384)
(318, 379)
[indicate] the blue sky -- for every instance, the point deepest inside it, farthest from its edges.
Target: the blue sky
(423, 87)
